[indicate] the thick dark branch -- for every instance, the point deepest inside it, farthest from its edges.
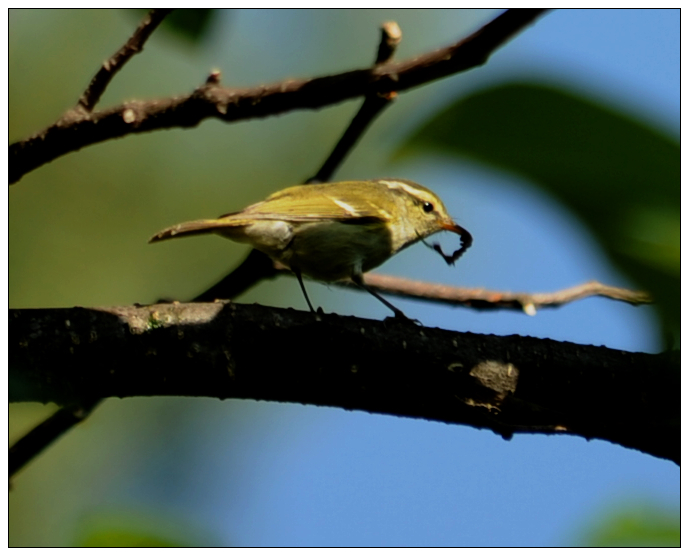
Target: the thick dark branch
(222, 350)
(76, 130)
(117, 61)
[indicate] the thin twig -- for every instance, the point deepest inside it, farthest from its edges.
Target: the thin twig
(479, 298)
(43, 435)
(252, 271)
(391, 36)
(76, 129)
(117, 61)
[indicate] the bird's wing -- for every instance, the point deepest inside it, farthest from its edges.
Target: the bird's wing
(320, 202)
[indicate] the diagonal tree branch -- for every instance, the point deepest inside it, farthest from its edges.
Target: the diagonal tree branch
(258, 266)
(76, 129)
(374, 104)
(506, 384)
(45, 433)
(117, 61)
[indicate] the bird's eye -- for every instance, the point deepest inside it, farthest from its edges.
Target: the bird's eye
(427, 207)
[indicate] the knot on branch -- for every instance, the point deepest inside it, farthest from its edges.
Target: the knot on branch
(492, 382)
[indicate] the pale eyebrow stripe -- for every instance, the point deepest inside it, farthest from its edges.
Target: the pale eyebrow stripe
(394, 184)
(406, 187)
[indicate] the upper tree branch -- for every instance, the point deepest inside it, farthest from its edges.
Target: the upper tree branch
(76, 129)
(223, 350)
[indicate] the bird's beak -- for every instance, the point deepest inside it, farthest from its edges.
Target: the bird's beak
(465, 238)
(457, 229)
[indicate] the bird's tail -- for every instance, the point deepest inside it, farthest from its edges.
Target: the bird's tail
(195, 228)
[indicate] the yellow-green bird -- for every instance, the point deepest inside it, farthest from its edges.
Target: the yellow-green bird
(334, 231)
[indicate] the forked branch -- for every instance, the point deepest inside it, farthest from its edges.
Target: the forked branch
(78, 128)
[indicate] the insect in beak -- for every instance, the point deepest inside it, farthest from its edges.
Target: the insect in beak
(464, 236)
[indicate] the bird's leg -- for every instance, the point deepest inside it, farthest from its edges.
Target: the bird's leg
(358, 279)
(303, 288)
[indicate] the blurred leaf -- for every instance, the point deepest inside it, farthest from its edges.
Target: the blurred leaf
(188, 23)
(642, 526)
(137, 529)
(123, 538)
(619, 176)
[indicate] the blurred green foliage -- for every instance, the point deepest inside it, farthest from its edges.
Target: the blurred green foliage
(125, 538)
(138, 529)
(619, 176)
(190, 24)
(636, 524)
